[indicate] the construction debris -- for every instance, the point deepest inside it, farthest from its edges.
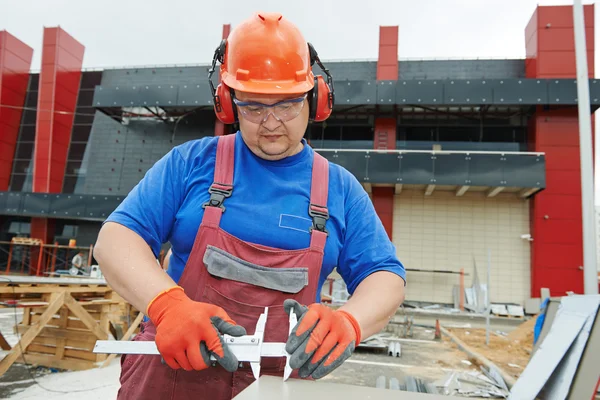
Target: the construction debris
(471, 384)
(407, 384)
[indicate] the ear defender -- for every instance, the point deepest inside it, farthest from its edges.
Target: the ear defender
(322, 96)
(224, 107)
(222, 95)
(321, 106)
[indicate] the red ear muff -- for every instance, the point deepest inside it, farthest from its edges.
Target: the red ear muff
(322, 100)
(224, 105)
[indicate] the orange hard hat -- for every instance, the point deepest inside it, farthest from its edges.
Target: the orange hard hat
(267, 54)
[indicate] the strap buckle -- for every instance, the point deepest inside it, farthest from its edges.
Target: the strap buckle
(319, 215)
(218, 193)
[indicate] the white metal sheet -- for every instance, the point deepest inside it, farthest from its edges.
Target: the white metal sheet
(567, 325)
(274, 388)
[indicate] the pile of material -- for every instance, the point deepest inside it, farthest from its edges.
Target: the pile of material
(473, 384)
(408, 384)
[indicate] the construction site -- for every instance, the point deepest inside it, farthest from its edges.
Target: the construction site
(474, 168)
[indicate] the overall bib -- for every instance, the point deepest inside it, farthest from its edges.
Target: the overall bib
(240, 277)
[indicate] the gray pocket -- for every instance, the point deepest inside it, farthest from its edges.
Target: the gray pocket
(224, 265)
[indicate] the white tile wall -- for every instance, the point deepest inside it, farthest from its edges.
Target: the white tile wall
(446, 232)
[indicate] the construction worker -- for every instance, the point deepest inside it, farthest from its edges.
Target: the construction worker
(256, 219)
(77, 264)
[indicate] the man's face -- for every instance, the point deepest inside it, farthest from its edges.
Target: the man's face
(270, 138)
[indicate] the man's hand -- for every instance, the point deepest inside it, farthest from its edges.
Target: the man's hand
(322, 340)
(188, 332)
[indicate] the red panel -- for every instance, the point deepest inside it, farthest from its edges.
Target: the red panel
(558, 206)
(564, 256)
(563, 39)
(559, 281)
(387, 64)
(383, 201)
(44, 229)
(558, 231)
(560, 158)
(385, 133)
(15, 62)
(557, 250)
(561, 64)
(558, 133)
(388, 35)
(562, 16)
(563, 182)
(531, 30)
(530, 68)
(59, 87)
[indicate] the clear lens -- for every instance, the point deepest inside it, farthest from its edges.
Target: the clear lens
(283, 111)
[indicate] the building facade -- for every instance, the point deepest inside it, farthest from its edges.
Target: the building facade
(467, 162)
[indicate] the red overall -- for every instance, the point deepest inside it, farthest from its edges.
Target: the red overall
(263, 276)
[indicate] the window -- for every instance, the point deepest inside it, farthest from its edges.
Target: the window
(24, 150)
(76, 151)
(81, 133)
(27, 133)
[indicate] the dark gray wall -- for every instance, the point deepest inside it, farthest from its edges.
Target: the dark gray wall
(340, 70)
(461, 69)
(120, 155)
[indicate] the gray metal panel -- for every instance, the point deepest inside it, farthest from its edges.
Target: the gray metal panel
(67, 206)
(354, 162)
(520, 91)
(195, 94)
(594, 91)
(36, 203)
(100, 207)
(383, 167)
(562, 91)
(451, 169)
(355, 92)
(159, 95)
(3, 198)
(485, 170)
(522, 171)
(111, 96)
(14, 203)
(420, 92)
(417, 168)
(386, 92)
(461, 69)
(467, 92)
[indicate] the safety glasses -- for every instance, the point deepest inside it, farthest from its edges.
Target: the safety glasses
(283, 111)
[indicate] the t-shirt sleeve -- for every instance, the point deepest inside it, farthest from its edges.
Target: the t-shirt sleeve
(367, 248)
(150, 208)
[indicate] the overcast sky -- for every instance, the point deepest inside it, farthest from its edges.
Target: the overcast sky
(157, 32)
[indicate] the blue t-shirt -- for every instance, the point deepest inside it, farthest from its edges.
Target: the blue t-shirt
(269, 206)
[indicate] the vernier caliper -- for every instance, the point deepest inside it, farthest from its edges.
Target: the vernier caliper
(248, 348)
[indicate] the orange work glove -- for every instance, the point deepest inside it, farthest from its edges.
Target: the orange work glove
(322, 340)
(187, 331)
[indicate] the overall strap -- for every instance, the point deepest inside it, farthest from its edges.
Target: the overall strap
(222, 185)
(317, 209)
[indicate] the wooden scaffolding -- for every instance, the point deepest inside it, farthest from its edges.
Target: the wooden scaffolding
(62, 319)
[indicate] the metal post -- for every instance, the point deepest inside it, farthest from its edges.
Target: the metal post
(462, 290)
(488, 301)
(590, 271)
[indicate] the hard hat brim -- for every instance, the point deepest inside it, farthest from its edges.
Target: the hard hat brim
(269, 86)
